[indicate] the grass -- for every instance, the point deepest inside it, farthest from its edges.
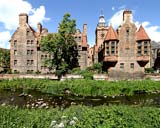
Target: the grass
(83, 87)
(88, 117)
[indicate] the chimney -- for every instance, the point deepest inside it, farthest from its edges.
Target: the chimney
(85, 29)
(39, 27)
(127, 16)
(23, 19)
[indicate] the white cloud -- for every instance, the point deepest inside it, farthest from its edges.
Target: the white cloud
(116, 19)
(153, 31)
(4, 37)
(10, 10)
(113, 8)
(38, 16)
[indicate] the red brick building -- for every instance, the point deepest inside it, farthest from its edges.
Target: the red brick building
(126, 51)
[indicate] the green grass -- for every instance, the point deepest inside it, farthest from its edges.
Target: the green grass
(83, 87)
(88, 117)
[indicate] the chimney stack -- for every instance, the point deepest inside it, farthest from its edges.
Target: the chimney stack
(39, 27)
(127, 16)
(85, 29)
(23, 19)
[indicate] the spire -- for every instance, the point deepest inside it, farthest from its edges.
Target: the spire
(102, 21)
(141, 34)
(111, 34)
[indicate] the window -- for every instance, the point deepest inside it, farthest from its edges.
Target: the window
(102, 35)
(15, 52)
(27, 32)
(107, 48)
(29, 71)
(15, 42)
(121, 65)
(145, 48)
(29, 52)
(139, 48)
(28, 42)
(30, 62)
(42, 56)
(127, 31)
(113, 48)
(15, 62)
(15, 71)
(32, 42)
(79, 46)
(132, 65)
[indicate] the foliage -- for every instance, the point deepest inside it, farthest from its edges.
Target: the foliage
(149, 70)
(4, 60)
(83, 87)
(87, 117)
(76, 71)
(97, 68)
(62, 47)
(86, 74)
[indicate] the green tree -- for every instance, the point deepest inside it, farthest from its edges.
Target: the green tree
(62, 47)
(4, 60)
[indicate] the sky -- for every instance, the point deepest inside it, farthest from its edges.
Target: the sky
(50, 14)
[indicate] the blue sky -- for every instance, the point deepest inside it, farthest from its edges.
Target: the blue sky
(50, 13)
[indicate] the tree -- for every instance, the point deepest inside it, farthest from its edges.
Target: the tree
(4, 60)
(62, 47)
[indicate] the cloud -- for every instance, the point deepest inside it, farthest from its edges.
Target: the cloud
(113, 8)
(4, 37)
(38, 16)
(10, 10)
(116, 19)
(153, 31)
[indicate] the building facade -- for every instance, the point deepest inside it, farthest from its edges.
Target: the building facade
(125, 52)
(25, 53)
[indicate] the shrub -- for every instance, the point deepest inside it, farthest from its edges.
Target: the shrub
(149, 70)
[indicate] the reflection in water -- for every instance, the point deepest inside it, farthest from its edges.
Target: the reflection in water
(35, 99)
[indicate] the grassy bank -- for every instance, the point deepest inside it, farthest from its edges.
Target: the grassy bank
(83, 87)
(81, 117)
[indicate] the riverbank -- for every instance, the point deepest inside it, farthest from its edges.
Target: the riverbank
(83, 87)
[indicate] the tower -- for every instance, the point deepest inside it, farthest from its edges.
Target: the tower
(101, 30)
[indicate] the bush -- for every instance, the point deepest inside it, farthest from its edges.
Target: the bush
(96, 68)
(87, 75)
(149, 70)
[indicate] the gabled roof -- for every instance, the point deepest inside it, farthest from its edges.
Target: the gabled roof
(111, 34)
(141, 34)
